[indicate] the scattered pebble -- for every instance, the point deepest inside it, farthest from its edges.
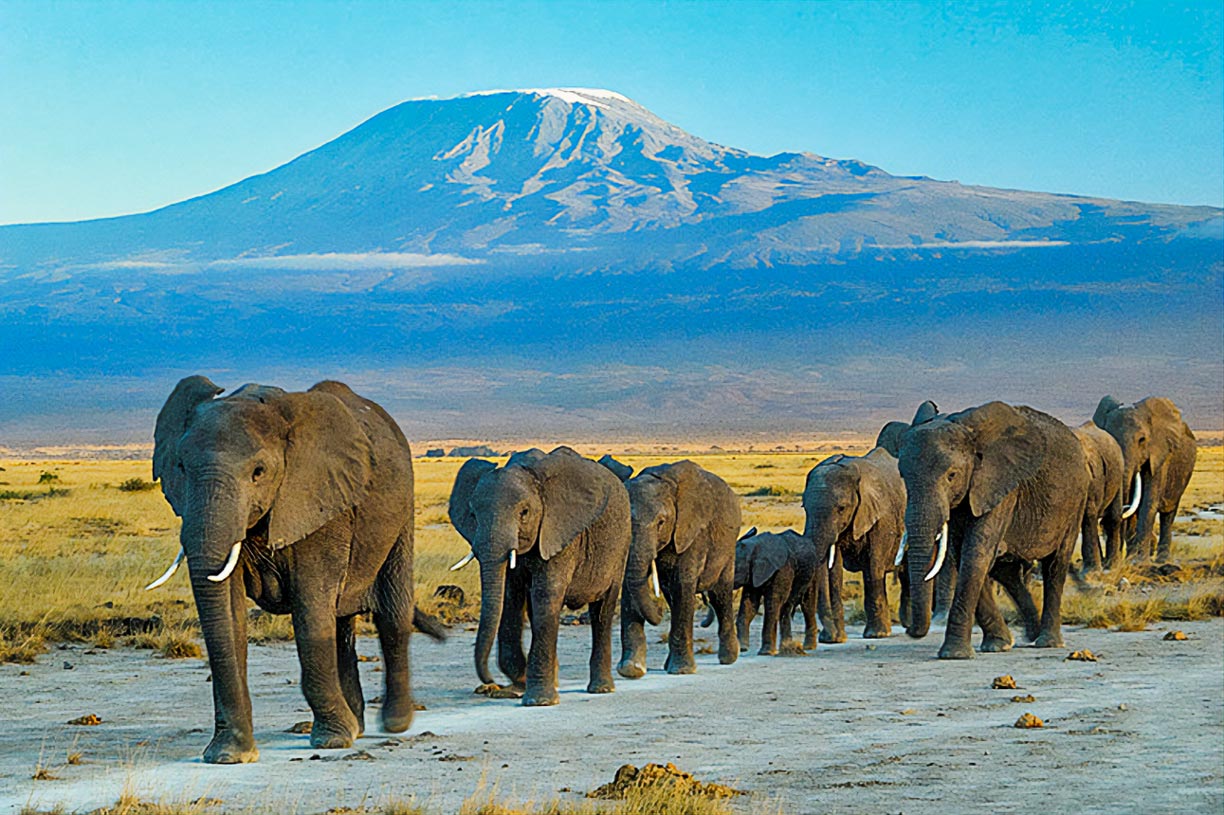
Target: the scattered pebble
(88, 720)
(1026, 698)
(1175, 636)
(1004, 682)
(1028, 720)
(301, 727)
(1081, 656)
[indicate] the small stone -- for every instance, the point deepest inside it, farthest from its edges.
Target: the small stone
(1026, 698)
(1028, 720)
(1004, 682)
(68, 666)
(1081, 656)
(1123, 706)
(1175, 636)
(88, 720)
(909, 711)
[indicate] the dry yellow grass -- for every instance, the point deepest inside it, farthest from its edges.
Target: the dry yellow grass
(74, 566)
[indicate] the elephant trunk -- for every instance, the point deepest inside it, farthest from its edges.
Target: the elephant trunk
(492, 596)
(922, 536)
(641, 575)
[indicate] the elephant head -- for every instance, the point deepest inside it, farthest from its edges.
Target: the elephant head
(759, 557)
(663, 513)
(261, 464)
(891, 433)
(536, 503)
(967, 462)
(1148, 433)
(840, 496)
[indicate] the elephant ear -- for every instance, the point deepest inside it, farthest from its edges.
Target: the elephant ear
(1009, 450)
(621, 470)
(926, 411)
(890, 436)
(524, 457)
(1106, 406)
(1164, 427)
(460, 512)
(327, 465)
(575, 493)
(872, 502)
(750, 533)
(172, 422)
(692, 512)
(768, 556)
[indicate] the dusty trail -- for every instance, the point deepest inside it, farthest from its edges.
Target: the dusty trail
(876, 726)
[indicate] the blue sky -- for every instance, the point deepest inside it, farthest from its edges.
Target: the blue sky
(111, 108)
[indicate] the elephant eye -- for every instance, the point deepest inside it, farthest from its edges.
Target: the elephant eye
(259, 471)
(523, 513)
(951, 476)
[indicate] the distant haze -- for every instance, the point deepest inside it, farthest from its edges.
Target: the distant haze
(564, 263)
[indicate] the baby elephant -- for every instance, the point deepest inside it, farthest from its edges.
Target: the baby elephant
(855, 508)
(775, 569)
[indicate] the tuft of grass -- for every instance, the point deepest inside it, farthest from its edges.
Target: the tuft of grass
(771, 489)
(136, 484)
(170, 642)
(21, 647)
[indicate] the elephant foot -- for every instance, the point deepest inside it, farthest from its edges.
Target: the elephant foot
(602, 685)
(830, 637)
(728, 653)
(327, 735)
(397, 716)
(1047, 639)
(810, 642)
(631, 668)
(952, 650)
(225, 748)
(678, 665)
(539, 697)
(996, 645)
(766, 651)
(877, 632)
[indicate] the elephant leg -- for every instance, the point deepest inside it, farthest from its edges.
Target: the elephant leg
(769, 629)
(834, 624)
(314, 628)
(511, 660)
(393, 619)
(632, 663)
(680, 639)
(808, 604)
(1090, 541)
(346, 666)
(1053, 578)
(602, 612)
(904, 608)
(722, 598)
(977, 552)
(743, 618)
(1166, 536)
(1013, 577)
(541, 689)
(1112, 524)
(875, 601)
(996, 636)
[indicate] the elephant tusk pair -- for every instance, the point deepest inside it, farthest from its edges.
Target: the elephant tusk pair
(178, 559)
(1134, 504)
(463, 561)
(230, 563)
(654, 580)
(832, 554)
(513, 558)
(901, 549)
(943, 552)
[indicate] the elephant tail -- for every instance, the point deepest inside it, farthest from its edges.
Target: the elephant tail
(428, 625)
(709, 617)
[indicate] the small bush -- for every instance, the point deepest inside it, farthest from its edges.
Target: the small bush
(46, 478)
(136, 485)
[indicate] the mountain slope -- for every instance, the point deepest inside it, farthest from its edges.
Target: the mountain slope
(535, 234)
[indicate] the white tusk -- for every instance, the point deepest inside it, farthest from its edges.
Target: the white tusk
(832, 554)
(943, 552)
(463, 561)
(513, 558)
(169, 572)
(901, 549)
(654, 580)
(230, 563)
(1134, 504)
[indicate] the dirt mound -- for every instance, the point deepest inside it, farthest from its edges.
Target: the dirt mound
(1028, 720)
(88, 720)
(1004, 682)
(630, 779)
(1081, 656)
(1175, 636)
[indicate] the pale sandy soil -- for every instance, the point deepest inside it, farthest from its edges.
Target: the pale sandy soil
(859, 727)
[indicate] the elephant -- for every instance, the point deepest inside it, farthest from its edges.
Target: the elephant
(774, 570)
(891, 433)
(685, 524)
(1104, 507)
(999, 487)
(303, 503)
(548, 530)
(1158, 454)
(855, 508)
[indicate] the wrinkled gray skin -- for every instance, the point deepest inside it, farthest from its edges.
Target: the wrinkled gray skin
(318, 488)
(1158, 446)
(567, 519)
(1104, 508)
(775, 570)
(858, 505)
(1012, 483)
(686, 520)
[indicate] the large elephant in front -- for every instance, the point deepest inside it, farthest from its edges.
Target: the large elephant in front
(302, 502)
(999, 487)
(559, 525)
(685, 524)
(855, 508)
(1104, 508)
(1158, 453)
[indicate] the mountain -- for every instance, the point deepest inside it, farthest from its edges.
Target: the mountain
(564, 261)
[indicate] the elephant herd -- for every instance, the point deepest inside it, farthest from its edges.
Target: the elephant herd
(303, 502)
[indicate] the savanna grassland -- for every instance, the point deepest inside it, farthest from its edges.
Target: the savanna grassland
(79, 540)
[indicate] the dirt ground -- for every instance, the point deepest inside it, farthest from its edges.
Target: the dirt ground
(865, 726)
